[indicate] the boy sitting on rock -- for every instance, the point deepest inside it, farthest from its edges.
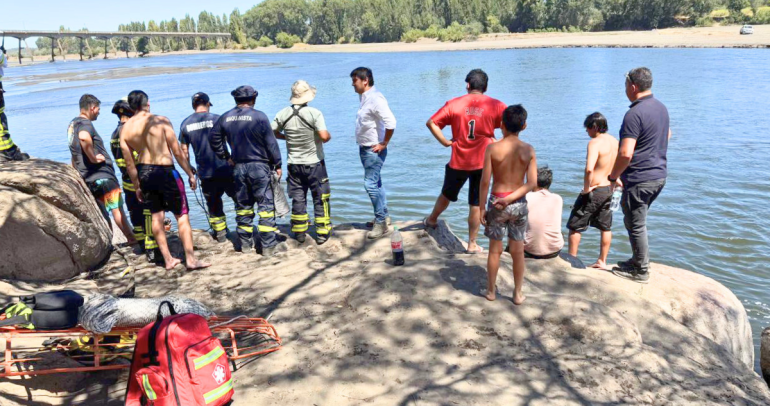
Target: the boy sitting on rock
(508, 162)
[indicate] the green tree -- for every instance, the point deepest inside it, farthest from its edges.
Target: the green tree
(236, 27)
(273, 16)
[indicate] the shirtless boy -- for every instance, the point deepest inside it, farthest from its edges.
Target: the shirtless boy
(508, 161)
(156, 180)
(592, 206)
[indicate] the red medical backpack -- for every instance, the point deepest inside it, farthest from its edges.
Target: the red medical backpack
(178, 362)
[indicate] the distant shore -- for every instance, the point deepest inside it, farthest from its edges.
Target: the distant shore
(695, 37)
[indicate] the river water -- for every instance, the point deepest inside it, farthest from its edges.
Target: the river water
(712, 217)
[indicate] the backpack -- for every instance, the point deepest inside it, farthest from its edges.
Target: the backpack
(178, 362)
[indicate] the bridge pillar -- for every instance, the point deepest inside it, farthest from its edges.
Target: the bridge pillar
(20, 51)
(81, 48)
(106, 40)
(53, 47)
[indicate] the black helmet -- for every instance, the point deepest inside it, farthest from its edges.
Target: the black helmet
(121, 108)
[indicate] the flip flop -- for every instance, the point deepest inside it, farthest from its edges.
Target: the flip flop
(478, 251)
(427, 226)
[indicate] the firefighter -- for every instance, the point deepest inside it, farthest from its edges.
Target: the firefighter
(8, 150)
(254, 153)
(215, 175)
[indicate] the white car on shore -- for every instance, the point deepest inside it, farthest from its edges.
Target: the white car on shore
(747, 29)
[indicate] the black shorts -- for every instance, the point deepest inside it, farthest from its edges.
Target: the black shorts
(454, 179)
(162, 189)
(592, 209)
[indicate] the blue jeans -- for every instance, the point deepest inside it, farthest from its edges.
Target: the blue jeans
(373, 162)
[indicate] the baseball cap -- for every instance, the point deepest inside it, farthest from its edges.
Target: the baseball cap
(201, 98)
(244, 92)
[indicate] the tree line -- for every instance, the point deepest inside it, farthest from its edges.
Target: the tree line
(285, 22)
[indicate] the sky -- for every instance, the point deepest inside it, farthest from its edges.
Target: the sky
(104, 15)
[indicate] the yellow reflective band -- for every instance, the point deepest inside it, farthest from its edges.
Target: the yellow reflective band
(219, 226)
(212, 356)
(128, 187)
(247, 229)
(223, 218)
(136, 155)
(300, 217)
(244, 212)
(6, 144)
(298, 228)
(148, 388)
(326, 195)
(218, 392)
(266, 229)
(323, 231)
(121, 163)
(147, 212)
(266, 214)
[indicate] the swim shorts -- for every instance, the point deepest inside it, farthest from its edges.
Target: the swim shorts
(107, 193)
(162, 189)
(454, 180)
(512, 220)
(592, 209)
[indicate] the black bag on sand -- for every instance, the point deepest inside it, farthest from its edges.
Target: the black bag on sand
(55, 310)
(56, 300)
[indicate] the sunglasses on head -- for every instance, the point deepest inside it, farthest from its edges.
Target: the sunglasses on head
(628, 76)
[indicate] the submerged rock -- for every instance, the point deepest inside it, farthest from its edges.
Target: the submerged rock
(50, 226)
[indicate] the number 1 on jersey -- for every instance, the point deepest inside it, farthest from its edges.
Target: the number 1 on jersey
(472, 130)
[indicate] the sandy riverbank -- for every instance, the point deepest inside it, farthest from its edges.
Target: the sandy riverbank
(697, 37)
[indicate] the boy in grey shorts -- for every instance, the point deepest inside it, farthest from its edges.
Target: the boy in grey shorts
(508, 161)
(511, 221)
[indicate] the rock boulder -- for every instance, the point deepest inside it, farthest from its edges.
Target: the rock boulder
(50, 226)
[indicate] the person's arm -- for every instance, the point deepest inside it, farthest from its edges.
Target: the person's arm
(87, 145)
(217, 140)
(185, 150)
(486, 177)
(527, 187)
(382, 111)
(276, 126)
(669, 133)
(591, 157)
(271, 146)
(629, 132)
(181, 158)
(131, 168)
(184, 142)
(438, 134)
(320, 127)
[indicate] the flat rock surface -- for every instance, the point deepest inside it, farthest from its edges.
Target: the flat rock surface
(360, 331)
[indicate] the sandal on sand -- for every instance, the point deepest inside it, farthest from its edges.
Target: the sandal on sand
(476, 251)
(427, 226)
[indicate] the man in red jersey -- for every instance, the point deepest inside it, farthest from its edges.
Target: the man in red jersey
(473, 118)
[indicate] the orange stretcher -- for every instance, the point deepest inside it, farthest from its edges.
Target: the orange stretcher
(242, 337)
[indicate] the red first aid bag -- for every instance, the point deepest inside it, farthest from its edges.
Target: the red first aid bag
(178, 362)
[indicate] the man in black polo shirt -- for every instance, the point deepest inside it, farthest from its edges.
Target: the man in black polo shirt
(640, 167)
(216, 174)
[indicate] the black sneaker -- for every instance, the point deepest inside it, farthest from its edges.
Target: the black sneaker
(631, 274)
(300, 237)
(322, 238)
(627, 264)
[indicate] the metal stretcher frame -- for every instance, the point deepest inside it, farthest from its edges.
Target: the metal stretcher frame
(233, 328)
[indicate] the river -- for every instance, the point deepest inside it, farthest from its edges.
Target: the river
(712, 217)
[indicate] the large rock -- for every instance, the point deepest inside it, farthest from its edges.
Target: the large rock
(50, 226)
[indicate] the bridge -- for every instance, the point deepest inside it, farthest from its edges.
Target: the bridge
(107, 36)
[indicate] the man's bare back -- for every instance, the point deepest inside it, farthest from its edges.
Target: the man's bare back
(148, 135)
(602, 150)
(510, 159)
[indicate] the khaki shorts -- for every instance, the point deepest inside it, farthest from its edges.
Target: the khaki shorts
(512, 220)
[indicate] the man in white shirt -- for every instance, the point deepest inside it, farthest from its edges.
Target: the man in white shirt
(375, 124)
